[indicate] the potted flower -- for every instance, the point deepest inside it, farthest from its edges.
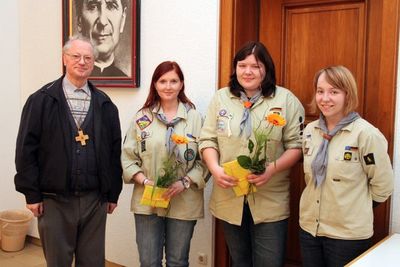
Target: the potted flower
(167, 175)
(257, 159)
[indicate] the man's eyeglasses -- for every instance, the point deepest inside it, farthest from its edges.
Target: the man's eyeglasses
(77, 58)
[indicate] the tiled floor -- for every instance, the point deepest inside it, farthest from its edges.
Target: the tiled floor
(30, 256)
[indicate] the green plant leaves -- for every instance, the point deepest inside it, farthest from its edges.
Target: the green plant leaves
(244, 161)
(250, 146)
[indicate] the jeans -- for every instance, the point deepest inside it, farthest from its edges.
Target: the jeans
(154, 232)
(323, 251)
(256, 245)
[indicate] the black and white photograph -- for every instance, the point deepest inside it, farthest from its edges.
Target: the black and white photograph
(113, 27)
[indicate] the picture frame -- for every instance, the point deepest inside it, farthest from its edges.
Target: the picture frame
(118, 62)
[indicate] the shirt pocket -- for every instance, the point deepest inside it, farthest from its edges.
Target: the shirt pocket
(224, 124)
(347, 165)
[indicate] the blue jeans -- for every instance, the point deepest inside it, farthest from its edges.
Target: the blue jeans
(256, 245)
(323, 251)
(154, 232)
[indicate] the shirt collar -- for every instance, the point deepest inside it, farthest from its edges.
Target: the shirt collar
(181, 112)
(70, 88)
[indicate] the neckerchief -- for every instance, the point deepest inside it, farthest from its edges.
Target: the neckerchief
(245, 123)
(170, 145)
(320, 162)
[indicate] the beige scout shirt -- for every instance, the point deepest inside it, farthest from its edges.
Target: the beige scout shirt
(144, 151)
(358, 172)
(221, 131)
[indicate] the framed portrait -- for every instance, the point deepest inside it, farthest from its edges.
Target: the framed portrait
(113, 27)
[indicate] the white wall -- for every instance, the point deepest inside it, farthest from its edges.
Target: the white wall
(180, 30)
(184, 31)
(10, 104)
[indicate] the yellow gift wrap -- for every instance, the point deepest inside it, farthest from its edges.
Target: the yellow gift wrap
(152, 196)
(234, 169)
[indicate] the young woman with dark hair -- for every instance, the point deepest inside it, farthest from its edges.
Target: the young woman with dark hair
(255, 225)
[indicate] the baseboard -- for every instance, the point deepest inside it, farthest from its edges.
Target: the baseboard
(36, 241)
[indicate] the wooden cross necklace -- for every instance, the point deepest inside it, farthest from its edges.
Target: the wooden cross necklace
(81, 137)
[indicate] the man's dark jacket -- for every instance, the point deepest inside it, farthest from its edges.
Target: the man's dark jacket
(44, 145)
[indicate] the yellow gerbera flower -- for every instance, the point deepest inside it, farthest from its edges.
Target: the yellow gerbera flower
(179, 139)
(276, 119)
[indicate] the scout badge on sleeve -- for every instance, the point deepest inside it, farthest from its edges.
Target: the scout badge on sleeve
(369, 159)
(143, 122)
(189, 154)
(142, 138)
(224, 124)
(307, 150)
(301, 120)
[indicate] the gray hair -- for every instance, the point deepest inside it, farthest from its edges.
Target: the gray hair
(82, 38)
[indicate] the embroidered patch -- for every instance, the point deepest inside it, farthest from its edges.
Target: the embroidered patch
(279, 109)
(143, 122)
(144, 135)
(347, 156)
(220, 125)
(275, 110)
(191, 136)
(222, 112)
(189, 154)
(351, 148)
(143, 145)
(301, 125)
(369, 159)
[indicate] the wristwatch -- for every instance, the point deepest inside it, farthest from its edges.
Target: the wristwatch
(186, 182)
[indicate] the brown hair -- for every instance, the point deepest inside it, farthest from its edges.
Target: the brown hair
(153, 98)
(260, 52)
(341, 78)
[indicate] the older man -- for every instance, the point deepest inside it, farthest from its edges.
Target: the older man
(102, 21)
(68, 161)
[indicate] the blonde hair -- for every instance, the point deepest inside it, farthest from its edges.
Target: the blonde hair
(341, 78)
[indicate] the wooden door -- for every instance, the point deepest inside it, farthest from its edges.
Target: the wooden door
(305, 35)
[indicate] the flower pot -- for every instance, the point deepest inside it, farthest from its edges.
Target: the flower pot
(152, 196)
(234, 169)
(14, 225)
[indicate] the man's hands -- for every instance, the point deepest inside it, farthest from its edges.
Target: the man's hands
(36, 208)
(111, 207)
